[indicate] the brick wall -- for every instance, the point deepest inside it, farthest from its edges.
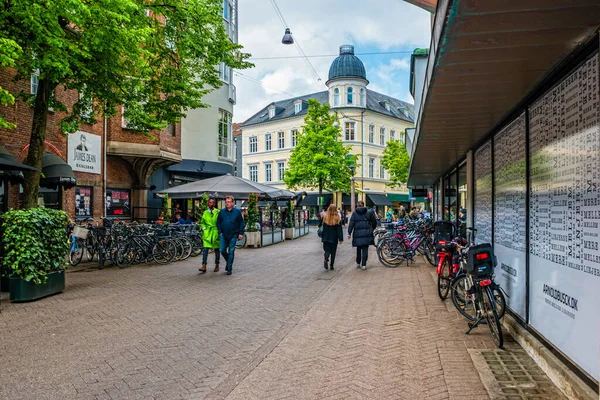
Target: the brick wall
(119, 171)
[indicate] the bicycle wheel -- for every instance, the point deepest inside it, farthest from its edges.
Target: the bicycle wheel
(444, 280)
(125, 255)
(187, 248)
(429, 252)
(197, 245)
(391, 253)
(493, 322)
(76, 254)
(164, 252)
(500, 302)
(179, 250)
(460, 298)
(240, 243)
(90, 247)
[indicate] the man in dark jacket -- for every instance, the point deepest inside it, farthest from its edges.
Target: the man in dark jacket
(362, 223)
(230, 225)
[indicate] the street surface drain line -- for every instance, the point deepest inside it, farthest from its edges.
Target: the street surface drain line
(512, 374)
(235, 378)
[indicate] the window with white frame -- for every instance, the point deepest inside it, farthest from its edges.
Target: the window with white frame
(225, 73)
(362, 97)
(381, 170)
(253, 141)
(401, 137)
(336, 97)
(281, 139)
(297, 107)
(253, 169)
(35, 82)
(350, 127)
(350, 93)
(224, 134)
(280, 170)
(268, 142)
(382, 136)
(392, 135)
(371, 167)
(226, 9)
(268, 173)
(371, 133)
(294, 137)
(271, 112)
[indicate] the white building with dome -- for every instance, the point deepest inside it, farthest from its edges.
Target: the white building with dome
(368, 120)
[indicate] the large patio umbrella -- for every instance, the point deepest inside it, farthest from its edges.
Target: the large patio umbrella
(225, 185)
(10, 168)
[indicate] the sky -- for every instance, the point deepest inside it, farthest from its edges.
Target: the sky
(321, 27)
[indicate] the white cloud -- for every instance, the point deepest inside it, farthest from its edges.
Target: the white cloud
(321, 27)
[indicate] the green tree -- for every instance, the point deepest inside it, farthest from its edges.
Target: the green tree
(9, 52)
(253, 213)
(320, 159)
(157, 64)
(396, 161)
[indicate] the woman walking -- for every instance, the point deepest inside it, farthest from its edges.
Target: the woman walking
(332, 234)
(362, 223)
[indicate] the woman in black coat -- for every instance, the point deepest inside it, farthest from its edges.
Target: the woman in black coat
(362, 223)
(332, 234)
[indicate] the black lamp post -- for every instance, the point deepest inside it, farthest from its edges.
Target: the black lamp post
(287, 37)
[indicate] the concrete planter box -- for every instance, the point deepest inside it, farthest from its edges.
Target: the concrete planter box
(21, 290)
(253, 239)
(290, 233)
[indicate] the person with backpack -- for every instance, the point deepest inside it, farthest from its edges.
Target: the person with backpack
(361, 227)
(331, 234)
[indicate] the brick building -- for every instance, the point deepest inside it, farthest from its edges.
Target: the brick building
(119, 160)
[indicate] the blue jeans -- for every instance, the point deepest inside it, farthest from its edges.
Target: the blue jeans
(227, 250)
(205, 256)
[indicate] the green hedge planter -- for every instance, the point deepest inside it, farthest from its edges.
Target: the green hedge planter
(21, 290)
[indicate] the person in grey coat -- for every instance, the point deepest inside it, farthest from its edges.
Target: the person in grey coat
(362, 223)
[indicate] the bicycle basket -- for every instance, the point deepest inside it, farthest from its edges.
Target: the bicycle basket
(80, 232)
(481, 260)
(443, 232)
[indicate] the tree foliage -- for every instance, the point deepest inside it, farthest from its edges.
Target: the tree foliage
(396, 161)
(320, 160)
(253, 213)
(114, 54)
(9, 52)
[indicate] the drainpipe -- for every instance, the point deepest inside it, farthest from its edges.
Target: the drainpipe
(104, 162)
(362, 145)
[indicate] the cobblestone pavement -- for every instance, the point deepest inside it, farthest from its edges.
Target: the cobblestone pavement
(279, 327)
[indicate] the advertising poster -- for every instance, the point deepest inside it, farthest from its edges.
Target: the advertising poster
(483, 194)
(565, 217)
(84, 152)
(117, 203)
(510, 178)
(83, 201)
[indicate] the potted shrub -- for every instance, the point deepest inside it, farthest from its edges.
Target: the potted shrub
(252, 232)
(35, 248)
(289, 221)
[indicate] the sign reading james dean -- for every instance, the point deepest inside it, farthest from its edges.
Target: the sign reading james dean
(84, 152)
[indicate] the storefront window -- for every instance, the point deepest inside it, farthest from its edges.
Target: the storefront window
(84, 201)
(3, 200)
(50, 197)
(118, 202)
(450, 198)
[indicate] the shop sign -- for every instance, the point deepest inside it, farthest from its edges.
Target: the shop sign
(83, 201)
(85, 152)
(117, 203)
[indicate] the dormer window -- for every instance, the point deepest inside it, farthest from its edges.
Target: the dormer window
(404, 112)
(386, 105)
(350, 93)
(271, 112)
(336, 97)
(297, 107)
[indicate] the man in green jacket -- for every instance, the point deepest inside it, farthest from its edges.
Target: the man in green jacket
(210, 235)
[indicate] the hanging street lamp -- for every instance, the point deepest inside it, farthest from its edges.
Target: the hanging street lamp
(287, 37)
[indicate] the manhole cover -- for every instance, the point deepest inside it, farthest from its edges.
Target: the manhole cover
(513, 375)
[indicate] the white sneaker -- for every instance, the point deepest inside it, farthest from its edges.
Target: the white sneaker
(357, 265)
(364, 267)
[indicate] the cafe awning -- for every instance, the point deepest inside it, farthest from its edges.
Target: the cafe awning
(10, 168)
(56, 172)
(311, 200)
(379, 199)
(399, 197)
